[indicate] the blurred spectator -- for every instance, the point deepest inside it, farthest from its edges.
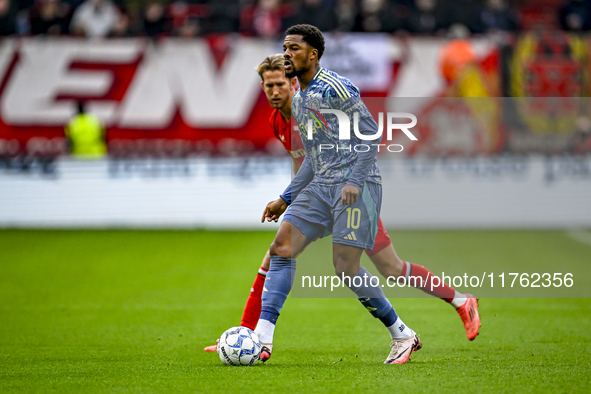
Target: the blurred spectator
(345, 15)
(469, 14)
(246, 24)
(25, 4)
(154, 22)
(576, 15)
(267, 18)
(121, 28)
(316, 13)
(225, 16)
(383, 15)
(73, 3)
(178, 12)
(189, 28)
(48, 17)
(497, 15)
(86, 135)
(427, 17)
(7, 18)
(95, 18)
(262, 18)
(369, 18)
(396, 15)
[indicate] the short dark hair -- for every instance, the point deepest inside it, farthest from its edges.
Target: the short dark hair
(310, 34)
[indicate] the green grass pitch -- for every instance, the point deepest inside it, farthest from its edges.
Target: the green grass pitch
(130, 311)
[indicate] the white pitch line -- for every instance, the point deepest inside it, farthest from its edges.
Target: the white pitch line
(581, 236)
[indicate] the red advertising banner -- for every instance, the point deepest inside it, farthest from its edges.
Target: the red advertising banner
(177, 97)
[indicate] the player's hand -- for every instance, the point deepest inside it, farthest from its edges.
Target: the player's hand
(274, 210)
(349, 194)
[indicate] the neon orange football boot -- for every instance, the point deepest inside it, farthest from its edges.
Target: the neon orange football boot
(470, 317)
(212, 348)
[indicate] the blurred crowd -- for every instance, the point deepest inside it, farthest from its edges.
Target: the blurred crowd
(268, 18)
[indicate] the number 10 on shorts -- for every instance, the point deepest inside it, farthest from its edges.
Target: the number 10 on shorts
(353, 217)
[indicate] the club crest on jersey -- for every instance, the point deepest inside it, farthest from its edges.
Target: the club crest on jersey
(313, 104)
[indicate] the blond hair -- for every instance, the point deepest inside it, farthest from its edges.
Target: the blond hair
(271, 63)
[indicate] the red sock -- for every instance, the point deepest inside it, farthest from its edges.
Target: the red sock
(442, 291)
(252, 310)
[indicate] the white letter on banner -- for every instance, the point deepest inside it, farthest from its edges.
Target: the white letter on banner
(183, 74)
(43, 72)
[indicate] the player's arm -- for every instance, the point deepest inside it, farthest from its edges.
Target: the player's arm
(275, 209)
(304, 176)
(296, 165)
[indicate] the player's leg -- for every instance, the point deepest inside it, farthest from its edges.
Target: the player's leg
(422, 278)
(252, 309)
(371, 296)
(305, 220)
(354, 229)
(389, 264)
(288, 243)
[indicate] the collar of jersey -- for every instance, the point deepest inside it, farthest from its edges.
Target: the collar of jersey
(314, 79)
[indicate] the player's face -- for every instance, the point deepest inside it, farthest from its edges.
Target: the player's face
(298, 55)
(277, 88)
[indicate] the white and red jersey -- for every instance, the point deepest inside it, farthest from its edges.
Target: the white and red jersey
(290, 138)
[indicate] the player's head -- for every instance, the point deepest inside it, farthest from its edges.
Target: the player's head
(278, 88)
(302, 48)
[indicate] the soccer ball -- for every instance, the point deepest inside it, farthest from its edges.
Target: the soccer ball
(239, 346)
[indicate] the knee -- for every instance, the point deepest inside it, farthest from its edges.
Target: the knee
(281, 247)
(339, 267)
(343, 266)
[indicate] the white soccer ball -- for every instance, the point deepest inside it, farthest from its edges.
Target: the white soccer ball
(239, 346)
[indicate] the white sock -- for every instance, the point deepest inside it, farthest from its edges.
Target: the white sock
(399, 330)
(459, 300)
(264, 331)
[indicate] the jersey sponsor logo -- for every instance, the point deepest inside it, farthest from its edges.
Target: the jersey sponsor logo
(298, 153)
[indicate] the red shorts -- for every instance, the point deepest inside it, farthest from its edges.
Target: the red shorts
(382, 240)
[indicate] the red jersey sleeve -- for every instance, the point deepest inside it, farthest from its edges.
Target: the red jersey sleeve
(291, 140)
